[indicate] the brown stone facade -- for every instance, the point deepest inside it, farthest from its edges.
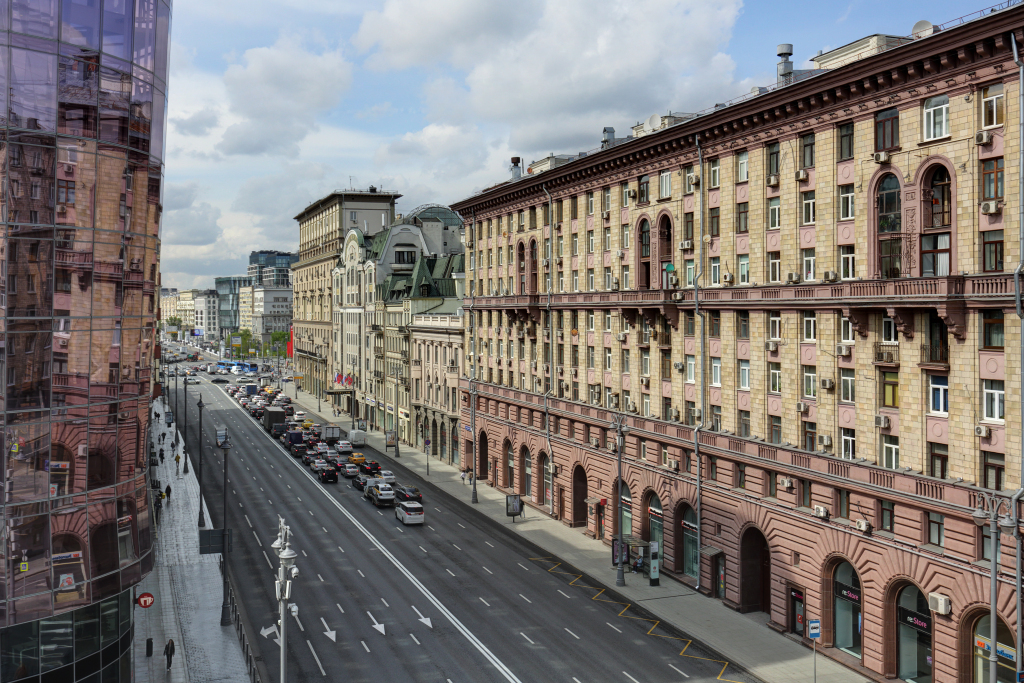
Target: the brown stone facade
(853, 366)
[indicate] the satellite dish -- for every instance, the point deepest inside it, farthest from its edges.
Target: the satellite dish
(922, 29)
(652, 123)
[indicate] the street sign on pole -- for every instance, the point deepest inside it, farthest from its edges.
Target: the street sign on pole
(814, 633)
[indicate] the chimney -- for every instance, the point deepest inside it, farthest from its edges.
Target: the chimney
(517, 171)
(607, 137)
(785, 67)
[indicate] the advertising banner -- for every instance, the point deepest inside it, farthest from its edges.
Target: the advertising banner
(513, 505)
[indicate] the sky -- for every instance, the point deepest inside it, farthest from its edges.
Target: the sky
(275, 103)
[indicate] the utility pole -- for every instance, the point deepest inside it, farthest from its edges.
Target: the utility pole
(201, 405)
(225, 609)
(286, 571)
(621, 430)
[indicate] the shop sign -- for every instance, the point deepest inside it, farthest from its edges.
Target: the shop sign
(403, 413)
(798, 594)
(391, 409)
(73, 555)
(1005, 651)
(146, 600)
(915, 620)
(66, 581)
(848, 593)
(371, 402)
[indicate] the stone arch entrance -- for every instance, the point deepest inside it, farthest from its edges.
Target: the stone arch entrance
(481, 456)
(755, 572)
(579, 496)
(524, 460)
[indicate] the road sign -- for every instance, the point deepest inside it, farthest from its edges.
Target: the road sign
(146, 600)
(814, 628)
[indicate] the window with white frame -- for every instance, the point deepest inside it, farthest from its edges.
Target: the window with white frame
(939, 394)
(743, 269)
(590, 279)
(992, 105)
(744, 374)
(889, 333)
(848, 438)
(624, 237)
(846, 330)
(625, 277)
(647, 406)
(607, 321)
(742, 167)
(665, 184)
(936, 117)
(994, 396)
(607, 358)
(775, 378)
(625, 196)
(590, 203)
(810, 326)
(590, 321)
(714, 171)
(848, 385)
(775, 325)
(716, 270)
(691, 272)
(716, 372)
(774, 213)
(809, 263)
(810, 381)
(846, 202)
(687, 175)
(847, 262)
(645, 363)
(774, 266)
(890, 452)
(808, 203)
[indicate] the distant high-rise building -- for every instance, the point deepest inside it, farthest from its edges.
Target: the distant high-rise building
(227, 301)
(271, 268)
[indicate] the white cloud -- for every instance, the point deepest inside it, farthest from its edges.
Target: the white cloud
(199, 124)
(185, 222)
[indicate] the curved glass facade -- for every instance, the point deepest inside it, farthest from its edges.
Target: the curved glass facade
(81, 141)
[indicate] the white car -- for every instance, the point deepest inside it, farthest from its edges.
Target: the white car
(344, 447)
(299, 416)
(409, 513)
(388, 476)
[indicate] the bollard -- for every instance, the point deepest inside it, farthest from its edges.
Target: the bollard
(149, 647)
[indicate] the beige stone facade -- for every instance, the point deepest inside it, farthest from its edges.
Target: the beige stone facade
(845, 355)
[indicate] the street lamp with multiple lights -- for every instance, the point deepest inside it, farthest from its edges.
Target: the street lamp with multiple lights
(225, 609)
(988, 510)
(621, 430)
(286, 571)
(199, 473)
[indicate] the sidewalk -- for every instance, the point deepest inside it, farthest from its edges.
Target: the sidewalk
(743, 639)
(187, 587)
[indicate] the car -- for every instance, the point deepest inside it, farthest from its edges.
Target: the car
(299, 415)
(289, 411)
(356, 458)
(382, 495)
(349, 470)
(321, 447)
(318, 464)
(298, 450)
(406, 492)
(316, 428)
(370, 466)
(308, 424)
(371, 482)
(328, 475)
(359, 481)
(219, 380)
(344, 447)
(388, 476)
(278, 429)
(259, 413)
(409, 513)
(309, 456)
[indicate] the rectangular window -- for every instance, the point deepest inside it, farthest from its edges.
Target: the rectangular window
(743, 217)
(744, 372)
(643, 190)
(846, 202)
(774, 213)
(590, 279)
(575, 244)
(742, 167)
(716, 372)
(810, 382)
(691, 272)
(625, 362)
(887, 130)
(992, 179)
(891, 389)
(992, 329)
(590, 241)
(775, 378)
(992, 105)
(808, 214)
(939, 391)
(845, 141)
(775, 429)
(687, 177)
(994, 396)
(847, 262)
(807, 151)
(590, 203)
(590, 357)
(890, 452)
(994, 466)
(810, 326)
(665, 184)
(938, 460)
(848, 448)
(607, 239)
(689, 324)
(808, 262)
(848, 385)
(992, 251)
(743, 325)
(743, 269)
(935, 255)
(625, 277)
(608, 278)
(744, 423)
(936, 529)
(645, 363)
(607, 358)
(714, 224)
(716, 270)
(606, 203)
(688, 226)
(936, 117)
(887, 521)
(772, 151)
(774, 325)
(804, 493)
(842, 504)
(624, 237)
(714, 171)
(691, 368)
(625, 196)
(774, 266)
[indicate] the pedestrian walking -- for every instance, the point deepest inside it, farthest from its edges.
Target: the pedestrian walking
(169, 652)
(167, 492)
(463, 477)
(161, 456)
(177, 465)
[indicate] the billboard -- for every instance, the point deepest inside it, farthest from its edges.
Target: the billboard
(197, 332)
(236, 340)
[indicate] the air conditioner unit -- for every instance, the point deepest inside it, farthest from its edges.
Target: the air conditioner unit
(561, 335)
(673, 465)
(620, 253)
(645, 381)
(606, 215)
(771, 346)
(821, 511)
(614, 402)
(544, 262)
(574, 371)
(784, 482)
(693, 179)
(558, 261)
(882, 421)
(621, 336)
(792, 278)
(843, 349)
(827, 383)
(677, 296)
(547, 368)
(595, 442)
(673, 281)
(686, 245)
(983, 431)
(990, 208)
(863, 525)
(632, 407)
(881, 157)
(615, 284)
(469, 356)
(801, 407)
(983, 137)
(534, 365)
(825, 440)
(632, 194)
(831, 276)
(939, 603)
(801, 175)
(62, 343)
(678, 365)
(62, 208)
(675, 414)
(728, 278)
(773, 180)
(695, 413)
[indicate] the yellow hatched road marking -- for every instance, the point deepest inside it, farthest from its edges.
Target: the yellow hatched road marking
(554, 569)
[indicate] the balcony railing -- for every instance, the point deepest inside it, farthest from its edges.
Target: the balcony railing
(935, 353)
(887, 353)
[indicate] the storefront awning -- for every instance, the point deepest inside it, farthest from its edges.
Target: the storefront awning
(710, 551)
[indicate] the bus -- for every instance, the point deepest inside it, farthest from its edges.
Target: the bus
(228, 365)
(250, 366)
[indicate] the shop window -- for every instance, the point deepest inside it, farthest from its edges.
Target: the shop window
(914, 636)
(848, 625)
(691, 551)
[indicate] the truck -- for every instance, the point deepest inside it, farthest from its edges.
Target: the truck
(357, 437)
(273, 416)
(252, 389)
(330, 433)
(294, 438)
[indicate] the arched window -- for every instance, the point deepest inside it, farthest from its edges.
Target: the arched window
(522, 268)
(848, 625)
(1005, 645)
(941, 208)
(890, 236)
(691, 551)
(914, 639)
(511, 473)
(656, 525)
(645, 239)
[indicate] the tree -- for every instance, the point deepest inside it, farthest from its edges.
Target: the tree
(174, 321)
(279, 339)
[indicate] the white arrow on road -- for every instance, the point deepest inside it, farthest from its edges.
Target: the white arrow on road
(425, 620)
(379, 627)
(271, 629)
(329, 633)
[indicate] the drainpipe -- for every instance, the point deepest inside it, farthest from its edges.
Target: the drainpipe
(472, 376)
(1020, 313)
(703, 342)
(551, 351)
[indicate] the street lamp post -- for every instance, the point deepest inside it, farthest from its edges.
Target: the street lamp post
(177, 412)
(225, 611)
(199, 473)
(988, 510)
(184, 434)
(621, 430)
(286, 571)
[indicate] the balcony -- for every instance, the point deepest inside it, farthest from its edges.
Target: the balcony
(887, 353)
(935, 355)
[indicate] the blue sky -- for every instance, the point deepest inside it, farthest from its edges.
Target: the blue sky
(273, 103)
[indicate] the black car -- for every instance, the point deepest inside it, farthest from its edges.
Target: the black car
(328, 475)
(298, 450)
(406, 492)
(309, 456)
(278, 429)
(220, 380)
(258, 414)
(370, 467)
(359, 482)
(289, 411)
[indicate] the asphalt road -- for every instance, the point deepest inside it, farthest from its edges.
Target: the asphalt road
(456, 600)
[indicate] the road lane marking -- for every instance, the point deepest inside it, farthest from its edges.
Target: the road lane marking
(325, 529)
(617, 629)
(311, 512)
(422, 548)
(577, 680)
(630, 677)
(385, 602)
(488, 543)
(316, 658)
(680, 671)
(361, 573)
(565, 594)
(572, 634)
(257, 538)
(449, 571)
(319, 577)
(380, 513)
(339, 608)
(301, 627)
(304, 554)
(414, 639)
(400, 529)
(488, 570)
(431, 528)
(437, 508)
(526, 598)
(247, 519)
(485, 602)
(341, 549)
(364, 645)
(523, 566)
(268, 559)
(460, 524)
(527, 638)
(457, 547)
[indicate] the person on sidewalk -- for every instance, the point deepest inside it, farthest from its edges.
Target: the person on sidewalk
(177, 466)
(463, 477)
(167, 492)
(161, 456)
(169, 652)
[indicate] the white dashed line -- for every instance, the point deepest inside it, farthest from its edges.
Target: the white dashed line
(268, 559)
(488, 570)
(339, 608)
(456, 547)
(257, 538)
(361, 573)
(572, 634)
(449, 571)
(304, 554)
(385, 602)
(680, 671)
(616, 628)
(527, 639)
(341, 549)
(414, 639)
(423, 549)
(481, 599)
(630, 677)
(565, 594)
(526, 598)
(247, 520)
(364, 645)
(320, 577)
(431, 528)
(488, 543)
(324, 528)
(438, 509)
(523, 566)
(460, 524)
(400, 529)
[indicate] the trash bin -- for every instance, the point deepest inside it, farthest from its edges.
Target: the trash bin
(149, 647)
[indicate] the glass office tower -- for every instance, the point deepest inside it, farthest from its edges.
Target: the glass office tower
(81, 148)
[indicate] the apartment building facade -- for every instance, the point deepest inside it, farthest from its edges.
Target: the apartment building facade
(437, 364)
(796, 303)
(207, 316)
(228, 288)
(245, 296)
(271, 310)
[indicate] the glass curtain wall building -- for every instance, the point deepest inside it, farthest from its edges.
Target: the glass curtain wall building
(81, 148)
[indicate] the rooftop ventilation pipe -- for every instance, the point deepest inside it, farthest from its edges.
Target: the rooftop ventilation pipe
(517, 171)
(785, 67)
